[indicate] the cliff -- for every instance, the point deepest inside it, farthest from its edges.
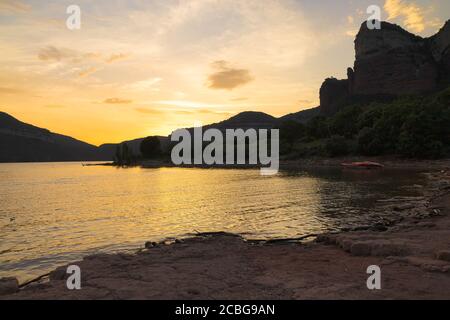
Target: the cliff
(390, 62)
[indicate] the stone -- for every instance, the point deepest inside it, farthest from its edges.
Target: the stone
(426, 224)
(443, 255)
(58, 274)
(404, 207)
(361, 249)
(150, 244)
(389, 248)
(346, 244)
(8, 285)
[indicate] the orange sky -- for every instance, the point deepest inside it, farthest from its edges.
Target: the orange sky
(139, 68)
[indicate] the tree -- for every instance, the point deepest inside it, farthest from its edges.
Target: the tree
(336, 146)
(124, 155)
(345, 122)
(151, 148)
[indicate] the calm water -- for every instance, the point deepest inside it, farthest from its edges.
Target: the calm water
(51, 214)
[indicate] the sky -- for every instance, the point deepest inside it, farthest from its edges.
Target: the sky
(147, 67)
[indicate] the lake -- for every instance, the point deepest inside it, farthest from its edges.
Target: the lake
(55, 213)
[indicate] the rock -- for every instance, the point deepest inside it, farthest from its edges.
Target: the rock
(326, 239)
(443, 255)
(390, 62)
(8, 285)
(360, 249)
(58, 274)
(389, 248)
(150, 244)
(404, 207)
(379, 227)
(334, 94)
(346, 244)
(426, 224)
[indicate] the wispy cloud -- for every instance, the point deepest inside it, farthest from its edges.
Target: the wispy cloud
(148, 111)
(117, 101)
(117, 57)
(143, 85)
(57, 54)
(227, 77)
(87, 72)
(50, 53)
(7, 90)
(14, 6)
(412, 15)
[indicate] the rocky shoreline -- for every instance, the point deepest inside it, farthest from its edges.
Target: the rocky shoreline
(413, 252)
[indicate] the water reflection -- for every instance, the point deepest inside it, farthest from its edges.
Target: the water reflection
(54, 213)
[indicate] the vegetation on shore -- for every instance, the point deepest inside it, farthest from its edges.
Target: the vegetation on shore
(413, 127)
(410, 127)
(150, 148)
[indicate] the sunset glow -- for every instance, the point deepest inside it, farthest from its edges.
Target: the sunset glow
(139, 68)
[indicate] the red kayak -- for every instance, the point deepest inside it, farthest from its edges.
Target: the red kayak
(363, 165)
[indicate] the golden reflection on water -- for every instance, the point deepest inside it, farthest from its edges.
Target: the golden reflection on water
(54, 213)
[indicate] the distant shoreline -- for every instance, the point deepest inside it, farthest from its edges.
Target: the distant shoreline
(389, 162)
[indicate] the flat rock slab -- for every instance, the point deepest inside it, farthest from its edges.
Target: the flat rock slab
(8, 285)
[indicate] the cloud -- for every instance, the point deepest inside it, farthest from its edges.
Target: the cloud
(412, 14)
(117, 57)
(352, 30)
(13, 6)
(351, 33)
(117, 101)
(5, 90)
(206, 111)
(143, 85)
(52, 53)
(148, 111)
(226, 77)
(87, 72)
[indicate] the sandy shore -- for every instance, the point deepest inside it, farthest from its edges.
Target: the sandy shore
(414, 256)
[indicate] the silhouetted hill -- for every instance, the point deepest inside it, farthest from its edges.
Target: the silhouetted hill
(302, 116)
(246, 120)
(22, 142)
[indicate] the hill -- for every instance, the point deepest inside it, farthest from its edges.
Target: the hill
(22, 142)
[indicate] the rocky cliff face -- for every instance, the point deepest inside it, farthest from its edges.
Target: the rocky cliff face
(333, 94)
(391, 62)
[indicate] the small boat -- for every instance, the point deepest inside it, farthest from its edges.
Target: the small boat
(363, 165)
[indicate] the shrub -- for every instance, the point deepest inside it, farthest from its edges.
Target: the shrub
(336, 146)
